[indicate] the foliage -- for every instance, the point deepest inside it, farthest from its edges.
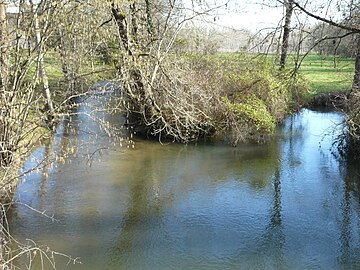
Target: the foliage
(29, 63)
(253, 110)
(348, 142)
(160, 95)
(245, 96)
(197, 95)
(299, 89)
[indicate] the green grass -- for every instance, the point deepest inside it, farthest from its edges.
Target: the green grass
(53, 68)
(55, 74)
(318, 70)
(323, 77)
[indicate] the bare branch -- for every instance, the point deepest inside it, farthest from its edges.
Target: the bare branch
(342, 26)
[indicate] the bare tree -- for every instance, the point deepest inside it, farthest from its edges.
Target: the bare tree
(289, 7)
(79, 35)
(3, 82)
(3, 47)
(356, 80)
(160, 102)
(49, 107)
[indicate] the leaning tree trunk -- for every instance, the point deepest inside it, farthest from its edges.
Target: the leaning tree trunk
(289, 7)
(143, 106)
(129, 42)
(356, 81)
(49, 108)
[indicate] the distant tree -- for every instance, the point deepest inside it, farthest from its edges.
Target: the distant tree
(330, 40)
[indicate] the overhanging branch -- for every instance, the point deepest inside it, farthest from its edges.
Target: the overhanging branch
(339, 25)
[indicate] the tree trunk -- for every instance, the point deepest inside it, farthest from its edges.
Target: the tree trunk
(356, 81)
(3, 82)
(289, 7)
(49, 108)
(150, 25)
(141, 95)
(69, 67)
(63, 55)
(5, 155)
(3, 47)
(120, 19)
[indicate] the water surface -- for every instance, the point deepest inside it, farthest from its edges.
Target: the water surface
(289, 204)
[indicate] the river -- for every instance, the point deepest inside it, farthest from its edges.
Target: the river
(288, 204)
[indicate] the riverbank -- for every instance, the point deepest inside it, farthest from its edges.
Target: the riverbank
(338, 100)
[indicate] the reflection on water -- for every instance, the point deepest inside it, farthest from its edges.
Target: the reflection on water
(285, 205)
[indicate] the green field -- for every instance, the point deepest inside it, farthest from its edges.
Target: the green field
(322, 74)
(324, 77)
(86, 72)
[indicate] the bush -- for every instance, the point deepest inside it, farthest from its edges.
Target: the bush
(348, 142)
(233, 96)
(252, 95)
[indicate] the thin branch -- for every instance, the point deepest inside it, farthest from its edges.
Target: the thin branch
(342, 26)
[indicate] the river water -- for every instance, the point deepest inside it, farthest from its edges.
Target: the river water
(288, 204)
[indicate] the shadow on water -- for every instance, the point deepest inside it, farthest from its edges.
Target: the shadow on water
(351, 192)
(288, 204)
(274, 234)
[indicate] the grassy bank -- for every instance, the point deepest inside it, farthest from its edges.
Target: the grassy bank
(326, 75)
(323, 73)
(235, 97)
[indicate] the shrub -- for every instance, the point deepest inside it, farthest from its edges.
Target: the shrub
(252, 95)
(233, 96)
(349, 140)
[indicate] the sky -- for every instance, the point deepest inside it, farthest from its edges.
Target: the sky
(253, 19)
(240, 14)
(254, 15)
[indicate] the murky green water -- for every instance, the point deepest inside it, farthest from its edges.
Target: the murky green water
(285, 205)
